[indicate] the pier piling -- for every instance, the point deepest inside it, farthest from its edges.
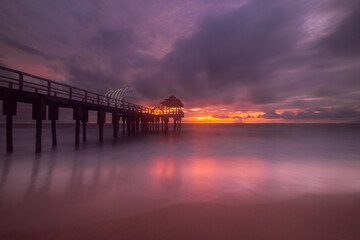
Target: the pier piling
(9, 133)
(53, 115)
(101, 118)
(38, 114)
(9, 109)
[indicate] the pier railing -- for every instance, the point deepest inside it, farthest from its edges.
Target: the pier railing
(22, 81)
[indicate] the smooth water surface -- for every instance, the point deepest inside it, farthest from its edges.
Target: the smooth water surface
(233, 164)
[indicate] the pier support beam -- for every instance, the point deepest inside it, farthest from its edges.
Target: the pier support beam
(142, 124)
(53, 133)
(137, 126)
(9, 109)
(166, 120)
(38, 114)
(101, 118)
(53, 115)
(115, 122)
(85, 119)
(77, 133)
(79, 114)
(9, 133)
(133, 128)
(84, 130)
(123, 118)
(128, 123)
(38, 135)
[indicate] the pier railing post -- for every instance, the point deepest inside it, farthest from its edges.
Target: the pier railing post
(21, 81)
(70, 93)
(49, 88)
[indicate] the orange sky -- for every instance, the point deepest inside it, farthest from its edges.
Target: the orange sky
(215, 114)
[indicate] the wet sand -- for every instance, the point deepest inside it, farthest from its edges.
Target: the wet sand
(308, 217)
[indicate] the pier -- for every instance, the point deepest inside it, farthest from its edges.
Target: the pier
(47, 96)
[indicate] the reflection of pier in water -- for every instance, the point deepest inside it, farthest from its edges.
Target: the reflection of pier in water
(60, 187)
(17, 86)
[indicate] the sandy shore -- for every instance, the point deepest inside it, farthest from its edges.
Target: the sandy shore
(309, 217)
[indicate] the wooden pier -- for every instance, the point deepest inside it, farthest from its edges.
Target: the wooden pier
(47, 96)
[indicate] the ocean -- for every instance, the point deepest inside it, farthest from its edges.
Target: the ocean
(233, 164)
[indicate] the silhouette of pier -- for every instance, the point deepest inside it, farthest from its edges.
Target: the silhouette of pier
(47, 96)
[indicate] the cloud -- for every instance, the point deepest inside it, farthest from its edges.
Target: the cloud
(236, 49)
(256, 56)
(345, 39)
(27, 49)
(337, 113)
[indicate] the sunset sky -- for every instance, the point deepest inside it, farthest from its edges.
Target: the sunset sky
(228, 61)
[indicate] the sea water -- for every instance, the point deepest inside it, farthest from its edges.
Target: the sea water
(224, 163)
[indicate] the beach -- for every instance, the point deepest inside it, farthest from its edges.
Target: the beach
(308, 217)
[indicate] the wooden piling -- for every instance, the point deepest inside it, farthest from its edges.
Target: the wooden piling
(137, 127)
(77, 133)
(9, 133)
(53, 115)
(101, 118)
(166, 124)
(38, 135)
(128, 124)
(133, 129)
(53, 132)
(38, 114)
(9, 109)
(115, 130)
(84, 119)
(115, 122)
(123, 131)
(84, 130)
(101, 132)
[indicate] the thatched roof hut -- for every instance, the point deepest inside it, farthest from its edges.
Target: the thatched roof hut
(172, 102)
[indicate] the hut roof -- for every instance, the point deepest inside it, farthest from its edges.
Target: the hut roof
(172, 102)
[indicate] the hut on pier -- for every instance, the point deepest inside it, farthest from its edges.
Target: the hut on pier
(172, 105)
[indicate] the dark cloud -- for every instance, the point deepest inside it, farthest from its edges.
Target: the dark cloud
(238, 48)
(27, 49)
(337, 113)
(112, 40)
(346, 37)
(90, 78)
